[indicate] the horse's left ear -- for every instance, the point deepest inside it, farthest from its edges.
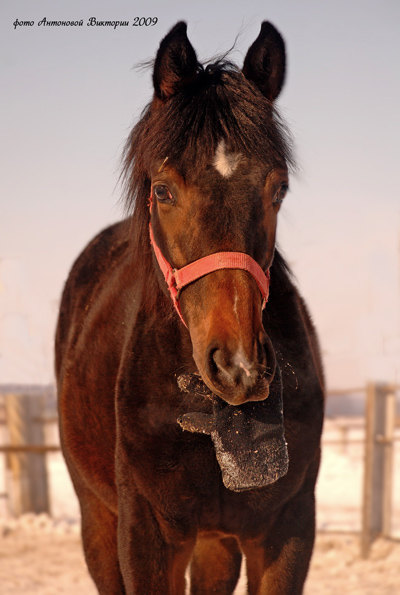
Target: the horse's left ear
(265, 62)
(176, 63)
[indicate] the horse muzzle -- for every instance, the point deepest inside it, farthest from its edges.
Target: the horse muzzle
(233, 375)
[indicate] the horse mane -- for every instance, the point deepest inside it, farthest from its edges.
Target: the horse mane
(221, 104)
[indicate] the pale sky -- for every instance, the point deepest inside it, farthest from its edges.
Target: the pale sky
(69, 97)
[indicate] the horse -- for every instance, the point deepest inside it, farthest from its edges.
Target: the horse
(190, 383)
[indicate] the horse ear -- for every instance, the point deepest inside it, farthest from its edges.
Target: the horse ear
(265, 62)
(176, 63)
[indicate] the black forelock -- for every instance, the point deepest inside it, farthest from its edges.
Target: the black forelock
(219, 104)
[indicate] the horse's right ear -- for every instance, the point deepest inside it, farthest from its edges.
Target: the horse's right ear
(176, 63)
(265, 62)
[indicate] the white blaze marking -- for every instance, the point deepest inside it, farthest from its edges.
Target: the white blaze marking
(225, 163)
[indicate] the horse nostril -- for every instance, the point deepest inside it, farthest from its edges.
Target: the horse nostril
(220, 366)
(220, 363)
(212, 363)
(261, 346)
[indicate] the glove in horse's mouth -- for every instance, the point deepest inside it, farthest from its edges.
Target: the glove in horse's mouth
(248, 439)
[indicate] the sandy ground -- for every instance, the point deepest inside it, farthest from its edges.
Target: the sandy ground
(40, 556)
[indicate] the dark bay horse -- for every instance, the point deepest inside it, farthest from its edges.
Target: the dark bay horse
(189, 377)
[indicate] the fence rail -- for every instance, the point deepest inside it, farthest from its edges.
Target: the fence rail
(30, 448)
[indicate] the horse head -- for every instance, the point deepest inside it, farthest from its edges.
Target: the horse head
(216, 160)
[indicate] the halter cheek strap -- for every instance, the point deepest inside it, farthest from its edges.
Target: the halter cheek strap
(177, 279)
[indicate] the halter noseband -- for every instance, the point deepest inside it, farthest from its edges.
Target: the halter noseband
(177, 279)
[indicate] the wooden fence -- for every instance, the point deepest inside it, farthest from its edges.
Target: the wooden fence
(27, 481)
(378, 463)
(27, 489)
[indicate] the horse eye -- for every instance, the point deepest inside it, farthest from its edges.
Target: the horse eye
(280, 195)
(162, 194)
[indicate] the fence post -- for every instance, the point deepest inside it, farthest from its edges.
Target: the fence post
(378, 464)
(27, 474)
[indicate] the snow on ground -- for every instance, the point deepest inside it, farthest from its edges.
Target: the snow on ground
(40, 555)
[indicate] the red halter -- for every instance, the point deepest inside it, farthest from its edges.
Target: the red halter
(176, 279)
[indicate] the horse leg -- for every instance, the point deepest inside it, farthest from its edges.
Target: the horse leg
(153, 557)
(215, 566)
(99, 537)
(278, 564)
